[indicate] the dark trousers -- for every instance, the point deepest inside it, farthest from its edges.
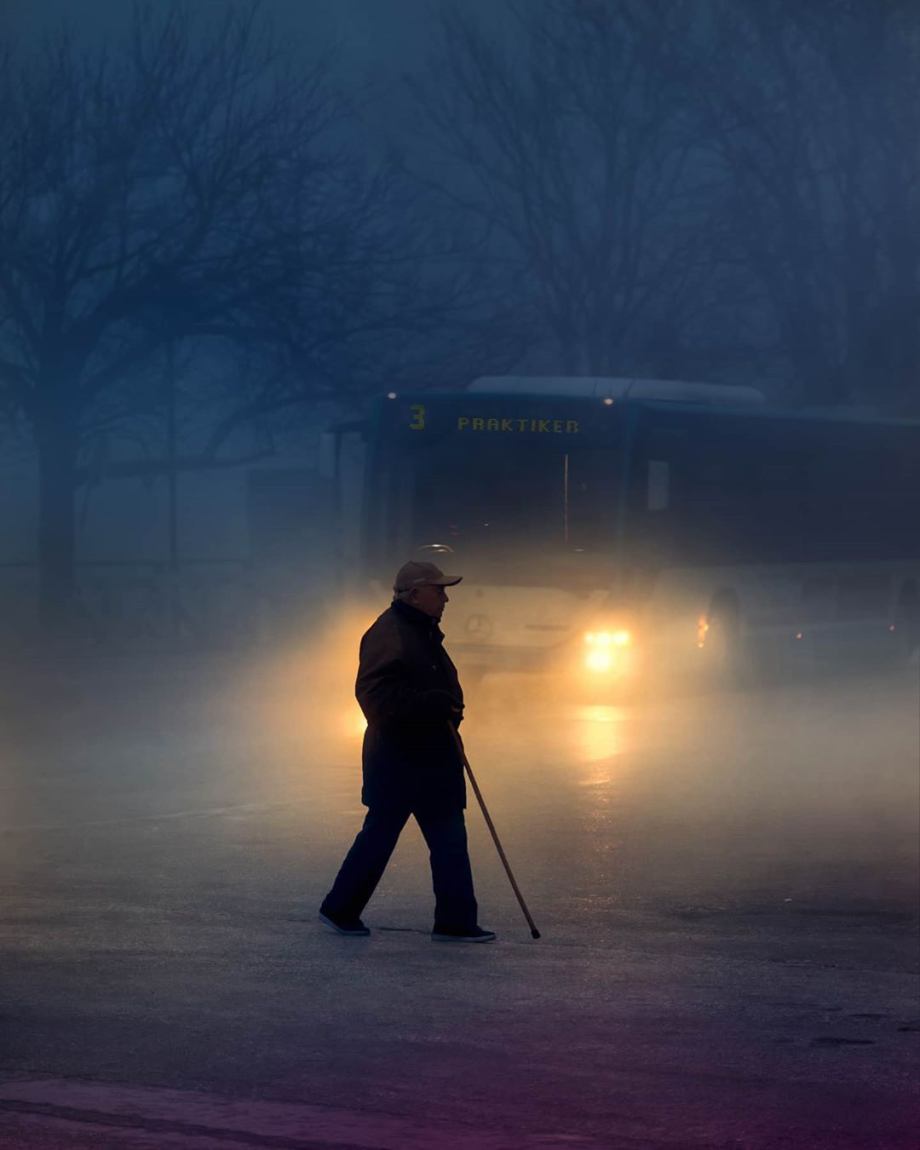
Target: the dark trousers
(452, 878)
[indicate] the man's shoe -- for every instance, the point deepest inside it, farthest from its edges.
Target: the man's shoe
(353, 927)
(477, 934)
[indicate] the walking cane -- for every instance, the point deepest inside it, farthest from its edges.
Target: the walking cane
(534, 933)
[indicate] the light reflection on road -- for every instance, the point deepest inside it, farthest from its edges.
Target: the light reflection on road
(793, 793)
(598, 737)
(703, 869)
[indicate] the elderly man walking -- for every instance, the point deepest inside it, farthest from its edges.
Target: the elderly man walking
(410, 694)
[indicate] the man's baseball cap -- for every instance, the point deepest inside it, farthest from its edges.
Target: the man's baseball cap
(418, 574)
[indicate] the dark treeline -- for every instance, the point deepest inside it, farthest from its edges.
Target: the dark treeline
(716, 189)
(191, 218)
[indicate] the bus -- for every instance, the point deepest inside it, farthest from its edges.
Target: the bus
(622, 531)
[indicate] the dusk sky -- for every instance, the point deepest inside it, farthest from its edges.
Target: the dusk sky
(371, 33)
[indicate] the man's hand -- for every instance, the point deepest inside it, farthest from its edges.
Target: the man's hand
(444, 703)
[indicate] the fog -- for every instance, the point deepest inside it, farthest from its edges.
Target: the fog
(442, 201)
(788, 799)
(252, 259)
(722, 879)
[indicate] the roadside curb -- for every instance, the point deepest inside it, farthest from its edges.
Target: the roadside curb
(200, 1117)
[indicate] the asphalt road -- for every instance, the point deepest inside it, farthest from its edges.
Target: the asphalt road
(727, 887)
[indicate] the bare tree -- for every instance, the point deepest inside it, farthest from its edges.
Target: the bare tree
(565, 139)
(812, 111)
(183, 191)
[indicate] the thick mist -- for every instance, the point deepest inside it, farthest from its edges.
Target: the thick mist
(266, 272)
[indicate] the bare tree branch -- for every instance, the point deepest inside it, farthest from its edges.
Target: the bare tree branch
(568, 147)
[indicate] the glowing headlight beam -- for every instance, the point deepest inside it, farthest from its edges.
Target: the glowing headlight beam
(608, 638)
(599, 661)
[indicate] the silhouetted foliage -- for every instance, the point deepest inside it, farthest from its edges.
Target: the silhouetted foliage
(187, 198)
(722, 189)
(812, 111)
(568, 140)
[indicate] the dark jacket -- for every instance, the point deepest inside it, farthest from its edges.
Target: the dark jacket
(409, 692)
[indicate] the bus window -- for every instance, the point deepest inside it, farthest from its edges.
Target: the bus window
(487, 501)
(781, 488)
(705, 516)
(589, 493)
(653, 522)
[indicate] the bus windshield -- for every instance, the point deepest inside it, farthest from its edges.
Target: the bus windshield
(489, 504)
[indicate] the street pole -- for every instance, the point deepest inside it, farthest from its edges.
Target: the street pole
(172, 491)
(171, 457)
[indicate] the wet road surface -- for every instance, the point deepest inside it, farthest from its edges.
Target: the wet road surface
(726, 885)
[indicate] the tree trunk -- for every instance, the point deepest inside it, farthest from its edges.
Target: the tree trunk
(57, 442)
